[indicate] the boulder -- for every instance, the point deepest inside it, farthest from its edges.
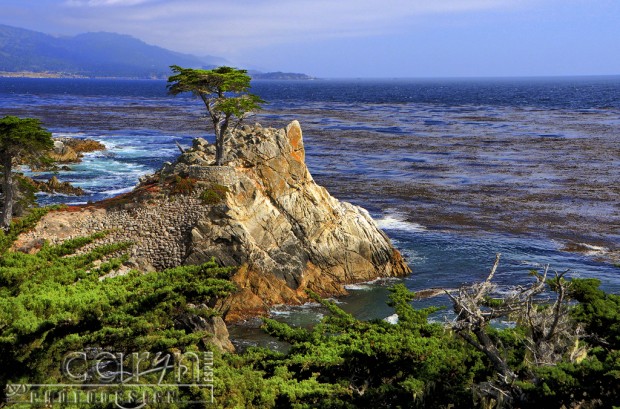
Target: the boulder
(215, 326)
(68, 149)
(63, 153)
(53, 185)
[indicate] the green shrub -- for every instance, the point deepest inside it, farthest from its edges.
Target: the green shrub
(214, 194)
(54, 302)
(22, 225)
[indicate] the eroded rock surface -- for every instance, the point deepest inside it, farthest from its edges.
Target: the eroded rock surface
(287, 232)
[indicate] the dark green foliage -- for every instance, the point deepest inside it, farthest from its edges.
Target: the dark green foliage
(593, 379)
(225, 93)
(23, 137)
(24, 196)
(24, 141)
(599, 311)
(54, 301)
(344, 362)
(351, 363)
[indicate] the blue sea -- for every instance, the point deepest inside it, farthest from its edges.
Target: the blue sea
(454, 170)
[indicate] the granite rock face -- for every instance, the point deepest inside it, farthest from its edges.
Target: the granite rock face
(286, 232)
(262, 212)
(212, 325)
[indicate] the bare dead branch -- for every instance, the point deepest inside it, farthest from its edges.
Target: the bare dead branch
(551, 333)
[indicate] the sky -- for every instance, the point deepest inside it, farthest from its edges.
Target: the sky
(357, 38)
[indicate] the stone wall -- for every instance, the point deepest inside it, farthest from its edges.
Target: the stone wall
(223, 175)
(160, 229)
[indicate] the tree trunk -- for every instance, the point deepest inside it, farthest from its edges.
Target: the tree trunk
(219, 152)
(220, 142)
(7, 189)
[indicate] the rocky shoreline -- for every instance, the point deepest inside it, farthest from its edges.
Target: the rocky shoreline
(66, 151)
(262, 212)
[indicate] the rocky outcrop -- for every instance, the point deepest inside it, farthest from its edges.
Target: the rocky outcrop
(63, 153)
(213, 325)
(68, 150)
(82, 145)
(53, 185)
(287, 233)
(262, 212)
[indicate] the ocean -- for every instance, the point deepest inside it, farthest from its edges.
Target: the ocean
(453, 170)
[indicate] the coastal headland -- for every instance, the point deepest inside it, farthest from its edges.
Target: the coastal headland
(262, 213)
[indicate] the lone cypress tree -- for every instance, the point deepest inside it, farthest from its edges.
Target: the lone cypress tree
(224, 91)
(24, 141)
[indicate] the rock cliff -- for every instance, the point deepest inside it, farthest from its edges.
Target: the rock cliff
(262, 212)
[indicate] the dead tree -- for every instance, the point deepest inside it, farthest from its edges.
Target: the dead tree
(551, 334)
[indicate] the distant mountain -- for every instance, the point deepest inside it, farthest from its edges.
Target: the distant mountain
(90, 55)
(279, 76)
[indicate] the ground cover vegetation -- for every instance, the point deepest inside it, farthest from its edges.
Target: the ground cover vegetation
(562, 349)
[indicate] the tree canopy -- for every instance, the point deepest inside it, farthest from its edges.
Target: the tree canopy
(23, 140)
(225, 94)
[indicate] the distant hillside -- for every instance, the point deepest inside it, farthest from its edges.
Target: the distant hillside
(279, 76)
(30, 53)
(90, 55)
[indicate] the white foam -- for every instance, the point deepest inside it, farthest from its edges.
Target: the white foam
(109, 145)
(308, 305)
(357, 287)
(398, 222)
(392, 319)
(67, 134)
(55, 194)
(285, 310)
(369, 285)
(366, 285)
(118, 191)
(280, 312)
(594, 250)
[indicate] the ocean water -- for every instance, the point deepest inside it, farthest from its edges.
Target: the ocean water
(454, 171)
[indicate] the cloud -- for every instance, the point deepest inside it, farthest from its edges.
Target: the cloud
(227, 27)
(98, 3)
